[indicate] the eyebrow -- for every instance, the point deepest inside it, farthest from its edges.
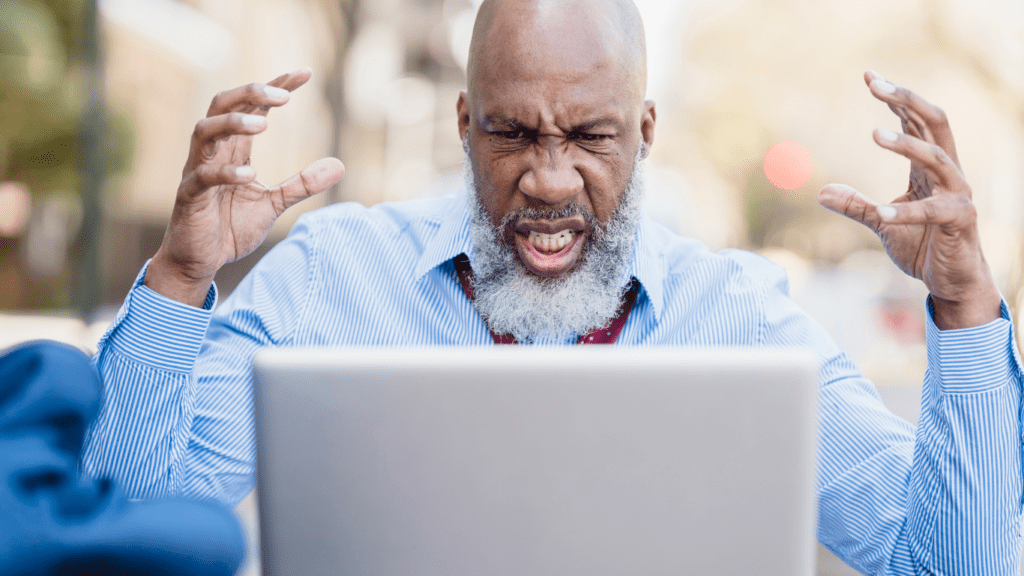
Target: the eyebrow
(491, 120)
(598, 123)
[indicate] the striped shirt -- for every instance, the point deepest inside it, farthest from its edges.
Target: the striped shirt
(942, 498)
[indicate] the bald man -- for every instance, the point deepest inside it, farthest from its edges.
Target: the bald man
(547, 244)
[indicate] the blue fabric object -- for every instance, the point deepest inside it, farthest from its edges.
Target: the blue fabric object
(944, 498)
(53, 520)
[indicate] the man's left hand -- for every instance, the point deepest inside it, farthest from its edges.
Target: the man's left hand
(931, 231)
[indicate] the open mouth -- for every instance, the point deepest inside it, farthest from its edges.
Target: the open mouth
(548, 244)
(550, 254)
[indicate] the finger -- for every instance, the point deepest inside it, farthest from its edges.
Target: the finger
(911, 128)
(931, 157)
(910, 125)
(209, 131)
(248, 98)
(288, 82)
(313, 179)
(899, 97)
(847, 201)
(292, 80)
(207, 176)
(929, 119)
(218, 127)
(938, 210)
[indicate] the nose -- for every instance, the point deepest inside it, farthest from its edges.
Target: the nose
(552, 177)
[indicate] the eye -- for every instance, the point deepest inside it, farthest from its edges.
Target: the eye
(590, 137)
(512, 134)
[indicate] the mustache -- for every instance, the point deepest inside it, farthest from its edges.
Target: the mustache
(507, 227)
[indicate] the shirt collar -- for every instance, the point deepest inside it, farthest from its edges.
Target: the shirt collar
(453, 238)
(649, 265)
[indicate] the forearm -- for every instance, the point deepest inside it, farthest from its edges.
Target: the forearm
(140, 435)
(180, 422)
(146, 362)
(944, 499)
(964, 506)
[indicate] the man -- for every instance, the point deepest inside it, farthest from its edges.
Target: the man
(547, 246)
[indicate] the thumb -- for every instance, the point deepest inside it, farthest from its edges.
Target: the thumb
(847, 201)
(313, 179)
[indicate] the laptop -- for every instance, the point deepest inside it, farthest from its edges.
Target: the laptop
(589, 460)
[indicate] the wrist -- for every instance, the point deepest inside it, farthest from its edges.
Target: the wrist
(166, 279)
(979, 308)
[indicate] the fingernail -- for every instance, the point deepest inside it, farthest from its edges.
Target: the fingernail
(886, 212)
(884, 86)
(874, 74)
(886, 134)
(245, 172)
(275, 92)
(254, 121)
(303, 69)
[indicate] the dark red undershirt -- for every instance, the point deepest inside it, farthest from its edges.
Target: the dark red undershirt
(606, 335)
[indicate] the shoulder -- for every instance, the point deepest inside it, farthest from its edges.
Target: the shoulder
(689, 261)
(708, 298)
(756, 268)
(352, 232)
(390, 238)
(381, 221)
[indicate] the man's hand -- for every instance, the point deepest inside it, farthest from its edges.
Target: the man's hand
(931, 231)
(222, 212)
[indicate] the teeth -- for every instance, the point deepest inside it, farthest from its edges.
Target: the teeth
(550, 242)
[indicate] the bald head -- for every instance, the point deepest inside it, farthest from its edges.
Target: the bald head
(569, 34)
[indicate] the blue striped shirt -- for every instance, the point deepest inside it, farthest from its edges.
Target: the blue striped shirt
(177, 416)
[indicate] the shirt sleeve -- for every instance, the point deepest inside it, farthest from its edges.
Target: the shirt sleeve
(942, 499)
(177, 415)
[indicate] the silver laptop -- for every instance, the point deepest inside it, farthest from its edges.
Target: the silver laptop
(587, 460)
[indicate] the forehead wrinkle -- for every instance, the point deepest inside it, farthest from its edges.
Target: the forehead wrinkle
(555, 115)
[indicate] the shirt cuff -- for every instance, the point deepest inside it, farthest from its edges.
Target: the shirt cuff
(972, 360)
(158, 331)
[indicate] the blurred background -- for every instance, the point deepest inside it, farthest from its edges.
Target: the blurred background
(98, 100)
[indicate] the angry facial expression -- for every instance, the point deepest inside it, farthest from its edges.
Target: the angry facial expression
(553, 120)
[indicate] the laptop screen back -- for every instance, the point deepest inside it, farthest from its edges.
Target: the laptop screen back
(517, 460)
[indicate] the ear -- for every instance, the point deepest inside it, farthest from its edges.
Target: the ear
(462, 109)
(647, 126)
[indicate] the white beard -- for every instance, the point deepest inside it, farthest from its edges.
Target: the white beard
(512, 300)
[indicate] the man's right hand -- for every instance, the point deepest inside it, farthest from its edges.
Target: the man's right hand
(222, 212)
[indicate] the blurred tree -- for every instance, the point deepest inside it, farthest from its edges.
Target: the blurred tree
(41, 107)
(342, 17)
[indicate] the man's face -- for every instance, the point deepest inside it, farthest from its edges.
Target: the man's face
(513, 300)
(553, 120)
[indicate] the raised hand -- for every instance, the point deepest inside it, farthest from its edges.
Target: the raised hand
(222, 212)
(931, 231)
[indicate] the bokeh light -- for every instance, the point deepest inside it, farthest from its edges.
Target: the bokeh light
(15, 208)
(788, 165)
